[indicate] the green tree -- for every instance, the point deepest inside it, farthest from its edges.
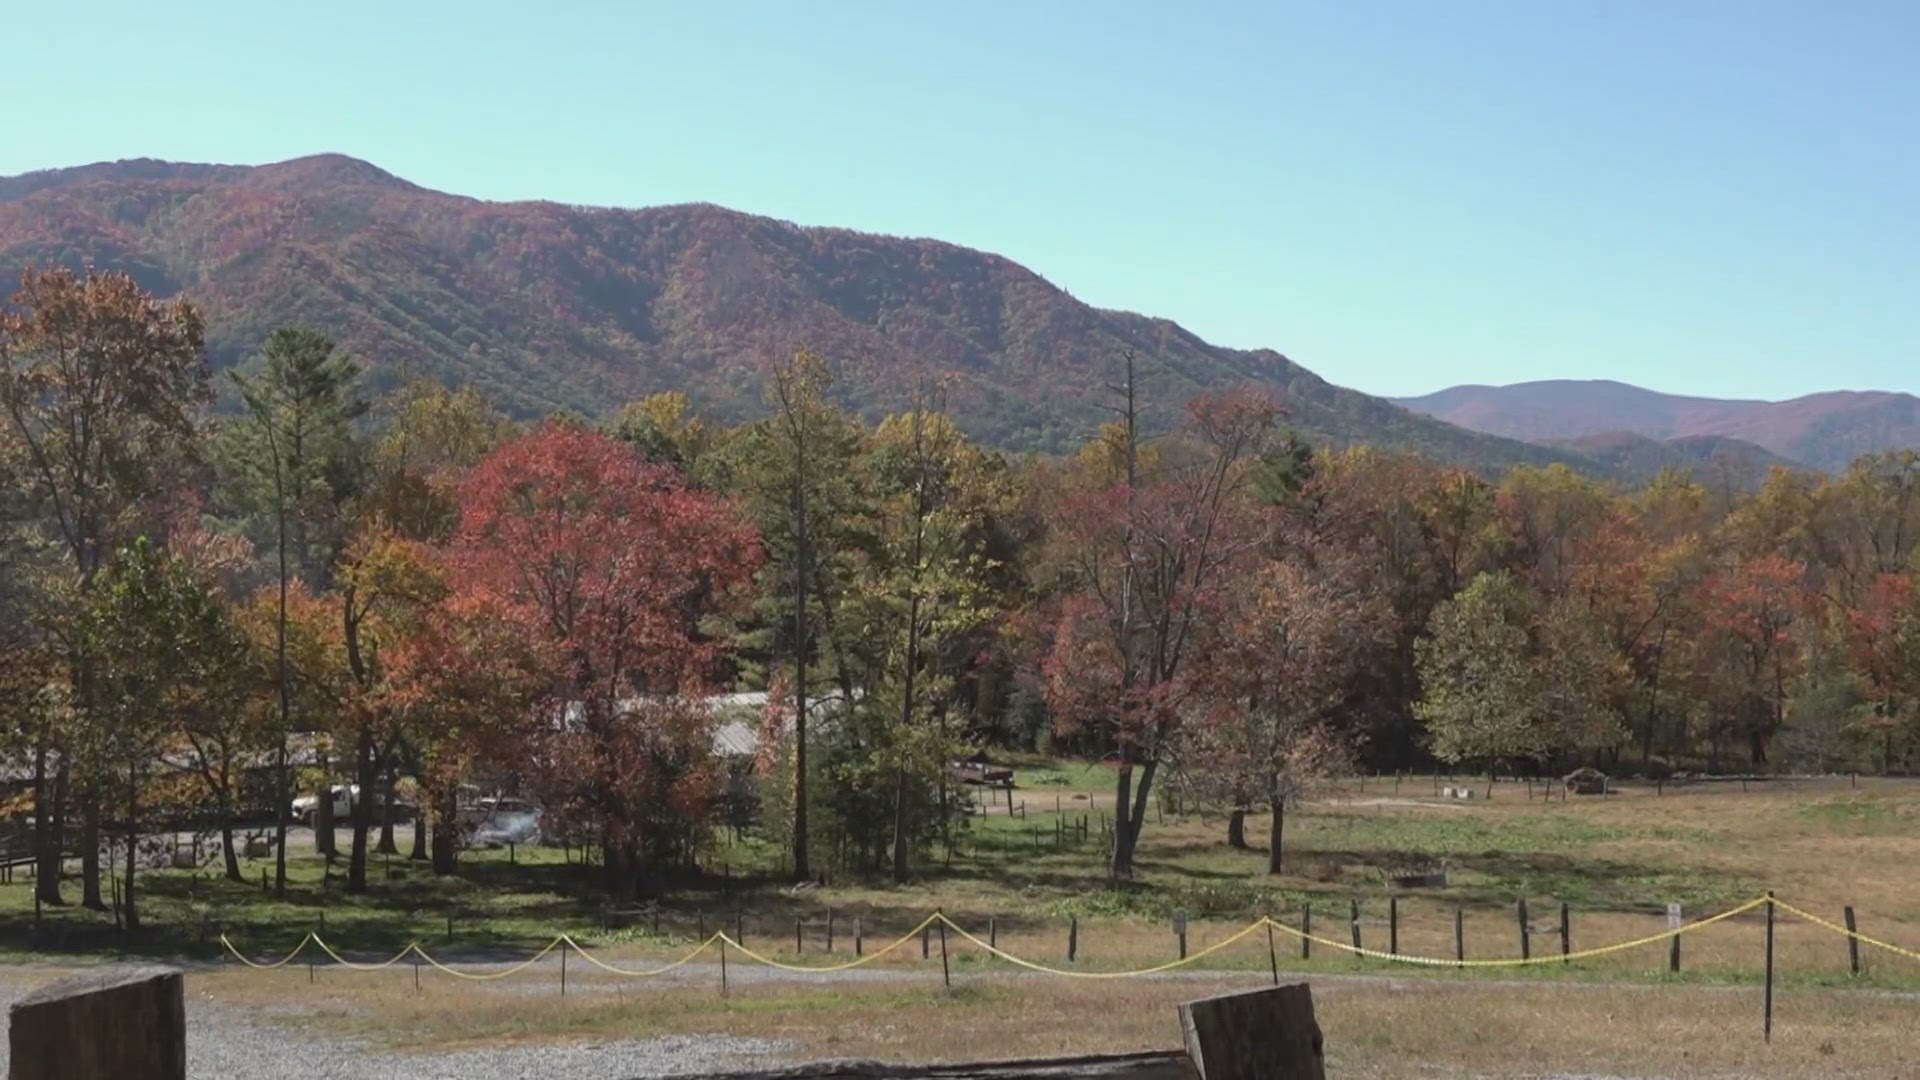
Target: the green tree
(293, 462)
(162, 646)
(802, 473)
(663, 429)
(927, 592)
(1506, 674)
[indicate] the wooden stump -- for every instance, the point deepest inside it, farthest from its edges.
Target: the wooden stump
(127, 1021)
(1260, 1035)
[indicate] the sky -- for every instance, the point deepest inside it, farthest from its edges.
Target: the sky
(1708, 198)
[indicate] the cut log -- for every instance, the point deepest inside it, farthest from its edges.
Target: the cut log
(1260, 1035)
(128, 1022)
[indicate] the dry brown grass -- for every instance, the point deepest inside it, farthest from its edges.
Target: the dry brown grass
(1821, 844)
(1375, 1026)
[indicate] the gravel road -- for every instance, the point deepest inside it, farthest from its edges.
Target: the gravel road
(224, 1043)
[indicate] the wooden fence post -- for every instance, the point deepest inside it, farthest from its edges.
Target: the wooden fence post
(1767, 1022)
(859, 937)
(1526, 943)
(1566, 933)
(1460, 935)
(1273, 959)
(1853, 944)
(1674, 920)
(1393, 925)
(1353, 921)
(1073, 939)
(798, 946)
(946, 973)
(829, 929)
(1306, 930)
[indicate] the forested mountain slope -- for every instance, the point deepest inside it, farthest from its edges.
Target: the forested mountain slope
(544, 306)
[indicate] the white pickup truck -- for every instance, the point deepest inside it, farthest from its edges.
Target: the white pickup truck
(306, 807)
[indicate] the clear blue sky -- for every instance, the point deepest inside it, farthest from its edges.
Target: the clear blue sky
(1704, 198)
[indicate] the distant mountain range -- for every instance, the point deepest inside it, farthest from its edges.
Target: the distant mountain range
(544, 306)
(550, 307)
(1821, 431)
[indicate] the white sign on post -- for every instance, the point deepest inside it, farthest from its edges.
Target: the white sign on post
(1673, 916)
(1179, 922)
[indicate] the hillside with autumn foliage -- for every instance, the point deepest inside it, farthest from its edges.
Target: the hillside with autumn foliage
(546, 307)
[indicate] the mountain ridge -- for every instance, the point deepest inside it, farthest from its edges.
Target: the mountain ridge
(1824, 430)
(547, 306)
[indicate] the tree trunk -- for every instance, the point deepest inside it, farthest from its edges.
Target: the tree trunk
(900, 826)
(1237, 829)
(386, 845)
(283, 795)
(1140, 793)
(1275, 831)
(90, 850)
(47, 816)
(445, 810)
(1129, 814)
(360, 810)
(613, 868)
(227, 851)
(800, 870)
(419, 830)
(133, 844)
(323, 823)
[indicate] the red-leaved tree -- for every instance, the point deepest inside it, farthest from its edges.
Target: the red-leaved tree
(1149, 559)
(617, 567)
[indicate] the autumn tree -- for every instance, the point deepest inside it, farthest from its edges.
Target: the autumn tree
(1143, 559)
(618, 568)
(1268, 724)
(1881, 637)
(1748, 654)
(1416, 533)
(385, 589)
(99, 385)
(462, 688)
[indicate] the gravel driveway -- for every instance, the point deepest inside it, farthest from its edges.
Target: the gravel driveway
(226, 1044)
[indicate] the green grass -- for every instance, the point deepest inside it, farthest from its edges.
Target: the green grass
(1864, 815)
(1626, 856)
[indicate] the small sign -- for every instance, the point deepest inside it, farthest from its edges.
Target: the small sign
(1673, 916)
(1179, 922)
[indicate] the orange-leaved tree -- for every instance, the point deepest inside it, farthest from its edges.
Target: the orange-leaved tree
(620, 570)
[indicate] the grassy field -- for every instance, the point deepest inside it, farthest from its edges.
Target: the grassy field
(1615, 861)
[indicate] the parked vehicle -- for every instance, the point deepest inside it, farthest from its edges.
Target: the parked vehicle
(505, 821)
(306, 807)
